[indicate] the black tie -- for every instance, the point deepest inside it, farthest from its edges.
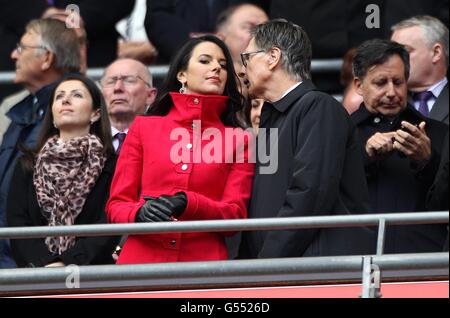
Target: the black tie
(120, 136)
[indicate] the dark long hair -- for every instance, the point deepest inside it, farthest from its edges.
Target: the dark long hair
(101, 128)
(180, 62)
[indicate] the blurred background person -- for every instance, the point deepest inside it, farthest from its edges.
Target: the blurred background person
(65, 179)
(426, 39)
(46, 52)
(100, 18)
(335, 26)
(351, 100)
(62, 15)
(200, 93)
(134, 42)
(252, 113)
(170, 24)
(234, 25)
(401, 147)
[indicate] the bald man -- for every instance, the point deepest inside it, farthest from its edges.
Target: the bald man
(128, 90)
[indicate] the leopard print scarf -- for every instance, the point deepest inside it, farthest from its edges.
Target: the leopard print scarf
(64, 174)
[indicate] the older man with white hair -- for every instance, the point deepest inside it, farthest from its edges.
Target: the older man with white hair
(426, 40)
(128, 89)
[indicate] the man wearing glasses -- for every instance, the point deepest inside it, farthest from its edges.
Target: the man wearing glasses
(127, 86)
(320, 170)
(46, 52)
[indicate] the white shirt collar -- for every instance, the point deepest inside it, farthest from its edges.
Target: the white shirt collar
(437, 88)
(114, 131)
(290, 89)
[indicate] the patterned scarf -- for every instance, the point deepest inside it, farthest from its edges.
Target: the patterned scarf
(64, 174)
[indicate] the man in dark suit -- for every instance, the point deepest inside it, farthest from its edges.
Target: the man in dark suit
(315, 165)
(401, 147)
(426, 39)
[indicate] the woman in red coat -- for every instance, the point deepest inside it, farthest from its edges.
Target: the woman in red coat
(186, 161)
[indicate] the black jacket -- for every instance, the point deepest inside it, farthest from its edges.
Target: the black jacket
(23, 210)
(319, 172)
(396, 184)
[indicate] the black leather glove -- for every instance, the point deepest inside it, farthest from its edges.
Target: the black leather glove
(152, 211)
(175, 203)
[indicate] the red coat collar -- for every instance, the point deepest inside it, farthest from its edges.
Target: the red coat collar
(190, 107)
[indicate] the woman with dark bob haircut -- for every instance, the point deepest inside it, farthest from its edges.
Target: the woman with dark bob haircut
(65, 180)
(177, 163)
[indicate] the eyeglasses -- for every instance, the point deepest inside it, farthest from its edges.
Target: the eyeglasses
(20, 47)
(246, 56)
(127, 80)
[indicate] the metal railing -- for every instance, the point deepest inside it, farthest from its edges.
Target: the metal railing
(160, 71)
(219, 274)
(234, 272)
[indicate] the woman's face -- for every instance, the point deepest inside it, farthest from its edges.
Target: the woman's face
(206, 72)
(72, 108)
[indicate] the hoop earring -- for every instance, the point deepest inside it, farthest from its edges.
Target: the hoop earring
(183, 88)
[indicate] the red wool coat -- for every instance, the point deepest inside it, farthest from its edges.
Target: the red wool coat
(214, 188)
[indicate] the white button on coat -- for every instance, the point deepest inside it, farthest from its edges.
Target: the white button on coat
(184, 167)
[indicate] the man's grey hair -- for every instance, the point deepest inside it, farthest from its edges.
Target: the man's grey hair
(292, 40)
(59, 40)
(433, 30)
(148, 75)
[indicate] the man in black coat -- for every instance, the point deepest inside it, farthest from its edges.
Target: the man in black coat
(401, 147)
(315, 166)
